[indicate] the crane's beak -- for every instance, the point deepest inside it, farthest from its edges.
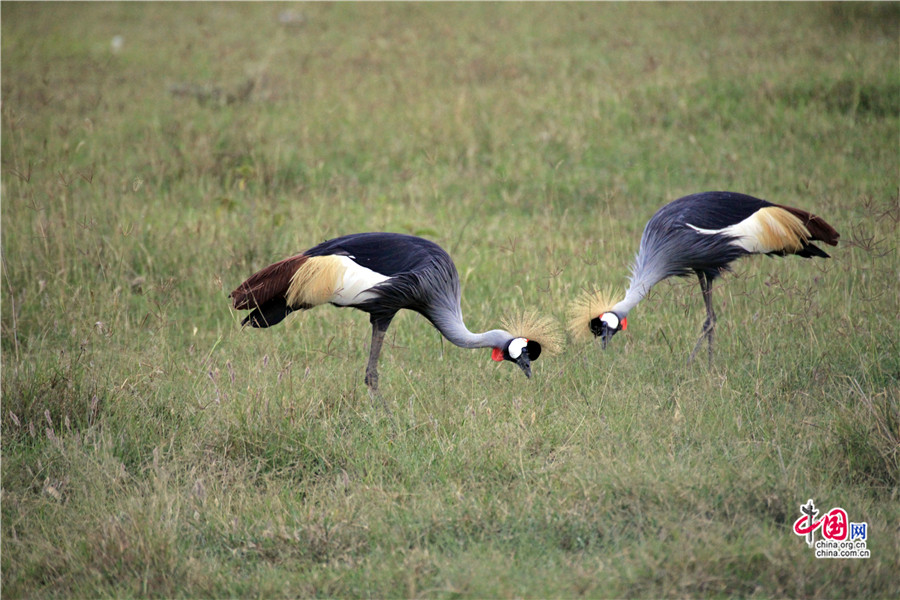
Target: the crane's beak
(524, 363)
(602, 331)
(606, 336)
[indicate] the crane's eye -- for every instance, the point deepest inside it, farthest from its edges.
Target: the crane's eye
(611, 320)
(515, 347)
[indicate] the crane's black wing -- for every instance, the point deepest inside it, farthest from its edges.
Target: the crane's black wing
(717, 210)
(423, 276)
(708, 210)
(386, 253)
(670, 247)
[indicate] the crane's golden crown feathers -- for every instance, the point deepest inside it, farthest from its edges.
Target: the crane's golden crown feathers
(532, 326)
(586, 307)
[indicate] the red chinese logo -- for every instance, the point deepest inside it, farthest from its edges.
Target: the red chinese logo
(840, 537)
(833, 524)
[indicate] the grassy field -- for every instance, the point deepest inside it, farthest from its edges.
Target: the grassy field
(153, 448)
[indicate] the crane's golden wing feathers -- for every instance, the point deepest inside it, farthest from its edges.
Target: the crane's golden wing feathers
(816, 226)
(775, 229)
(315, 281)
(586, 307)
(532, 326)
(783, 230)
(266, 284)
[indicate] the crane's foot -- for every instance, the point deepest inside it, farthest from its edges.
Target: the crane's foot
(374, 394)
(371, 379)
(708, 336)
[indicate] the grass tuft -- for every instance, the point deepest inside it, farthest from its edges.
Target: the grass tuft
(867, 436)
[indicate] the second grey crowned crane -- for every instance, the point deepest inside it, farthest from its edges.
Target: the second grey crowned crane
(702, 234)
(381, 273)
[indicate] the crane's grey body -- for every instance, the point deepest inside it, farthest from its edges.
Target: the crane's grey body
(702, 234)
(671, 247)
(380, 274)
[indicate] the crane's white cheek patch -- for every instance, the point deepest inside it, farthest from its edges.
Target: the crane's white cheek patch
(611, 320)
(515, 348)
(355, 282)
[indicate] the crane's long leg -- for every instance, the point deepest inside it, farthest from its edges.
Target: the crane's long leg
(379, 328)
(709, 325)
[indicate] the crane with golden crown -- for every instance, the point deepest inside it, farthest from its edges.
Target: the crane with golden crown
(701, 234)
(382, 273)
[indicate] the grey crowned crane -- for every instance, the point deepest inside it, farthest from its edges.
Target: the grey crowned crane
(701, 234)
(381, 273)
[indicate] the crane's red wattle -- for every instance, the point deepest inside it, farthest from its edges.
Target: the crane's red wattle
(497, 354)
(624, 323)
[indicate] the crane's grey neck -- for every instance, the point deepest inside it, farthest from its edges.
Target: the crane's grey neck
(451, 325)
(645, 273)
(634, 295)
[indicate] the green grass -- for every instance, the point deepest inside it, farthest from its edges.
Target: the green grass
(153, 448)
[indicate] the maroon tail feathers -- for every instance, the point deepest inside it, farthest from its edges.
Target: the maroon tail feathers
(818, 228)
(267, 284)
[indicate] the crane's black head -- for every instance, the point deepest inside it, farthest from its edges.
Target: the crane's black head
(607, 325)
(520, 351)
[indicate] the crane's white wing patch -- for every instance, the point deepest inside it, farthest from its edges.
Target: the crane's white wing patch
(334, 278)
(354, 283)
(770, 229)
